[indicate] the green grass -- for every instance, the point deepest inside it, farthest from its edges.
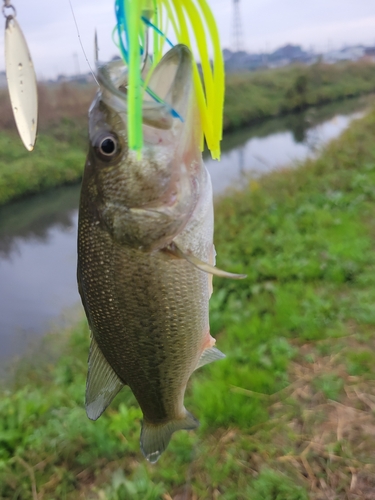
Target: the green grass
(288, 414)
(58, 159)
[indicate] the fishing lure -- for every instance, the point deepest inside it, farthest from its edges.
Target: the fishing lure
(21, 78)
(193, 24)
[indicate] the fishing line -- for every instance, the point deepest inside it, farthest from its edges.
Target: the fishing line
(80, 41)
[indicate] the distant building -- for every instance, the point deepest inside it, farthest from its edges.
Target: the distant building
(81, 78)
(369, 54)
(346, 54)
(243, 61)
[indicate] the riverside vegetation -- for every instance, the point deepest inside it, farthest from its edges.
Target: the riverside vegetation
(60, 151)
(289, 414)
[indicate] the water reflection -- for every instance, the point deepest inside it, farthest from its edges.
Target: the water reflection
(37, 266)
(31, 219)
(38, 235)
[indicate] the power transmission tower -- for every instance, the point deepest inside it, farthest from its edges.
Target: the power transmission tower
(237, 27)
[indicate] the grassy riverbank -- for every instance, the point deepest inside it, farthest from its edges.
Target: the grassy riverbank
(59, 155)
(61, 147)
(289, 414)
(251, 97)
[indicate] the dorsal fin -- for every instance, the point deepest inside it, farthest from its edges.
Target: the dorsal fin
(102, 383)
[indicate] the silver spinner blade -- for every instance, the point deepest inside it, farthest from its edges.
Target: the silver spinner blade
(21, 82)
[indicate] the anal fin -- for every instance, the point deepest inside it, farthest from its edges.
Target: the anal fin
(209, 355)
(102, 383)
(203, 266)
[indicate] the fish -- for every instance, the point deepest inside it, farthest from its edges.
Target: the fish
(145, 249)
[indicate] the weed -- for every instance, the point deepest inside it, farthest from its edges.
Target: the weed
(330, 384)
(271, 485)
(139, 488)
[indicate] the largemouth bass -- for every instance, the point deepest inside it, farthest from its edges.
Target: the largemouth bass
(145, 250)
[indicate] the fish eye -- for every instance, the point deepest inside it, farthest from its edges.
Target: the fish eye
(107, 147)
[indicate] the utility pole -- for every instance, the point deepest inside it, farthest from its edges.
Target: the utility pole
(237, 27)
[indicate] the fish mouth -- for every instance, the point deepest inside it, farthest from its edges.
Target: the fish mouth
(157, 192)
(171, 81)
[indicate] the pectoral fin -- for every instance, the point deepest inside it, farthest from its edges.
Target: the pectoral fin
(209, 355)
(102, 383)
(203, 266)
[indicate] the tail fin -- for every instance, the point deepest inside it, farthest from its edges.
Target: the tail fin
(155, 437)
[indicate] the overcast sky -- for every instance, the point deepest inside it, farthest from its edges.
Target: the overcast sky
(267, 24)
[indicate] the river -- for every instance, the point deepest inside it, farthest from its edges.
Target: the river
(38, 235)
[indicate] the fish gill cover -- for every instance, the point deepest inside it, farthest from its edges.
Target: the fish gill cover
(193, 24)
